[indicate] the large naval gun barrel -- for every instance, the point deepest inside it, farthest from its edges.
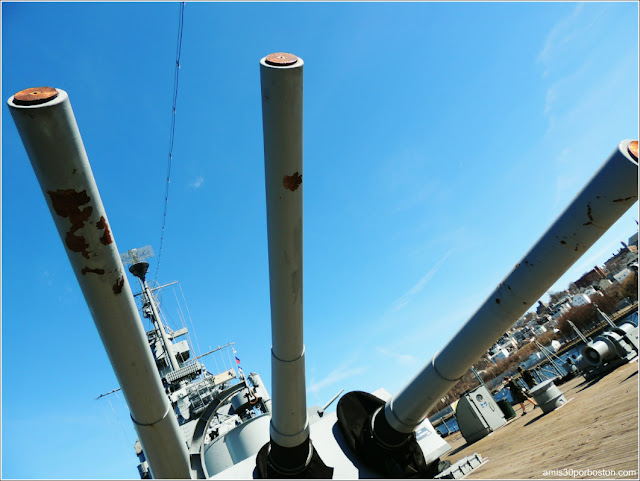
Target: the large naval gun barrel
(281, 89)
(49, 132)
(608, 194)
(290, 451)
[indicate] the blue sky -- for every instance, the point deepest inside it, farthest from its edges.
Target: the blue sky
(441, 140)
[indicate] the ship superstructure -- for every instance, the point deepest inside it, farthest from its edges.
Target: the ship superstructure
(220, 414)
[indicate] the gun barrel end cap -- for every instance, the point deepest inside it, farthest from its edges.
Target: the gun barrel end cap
(35, 95)
(633, 149)
(281, 59)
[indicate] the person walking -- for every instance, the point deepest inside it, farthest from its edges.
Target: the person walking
(527, 377)
(518, 394)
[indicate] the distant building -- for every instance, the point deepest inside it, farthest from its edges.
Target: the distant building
(594, 276)
(623, 274)
(605, 284)
(559, 310)
(539, 330)
(509, 344)
(522, 334)
(580, 300)
(498, 355)
(542, 309)
(625, 256)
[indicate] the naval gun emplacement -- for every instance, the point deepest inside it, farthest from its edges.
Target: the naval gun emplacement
(371, 434)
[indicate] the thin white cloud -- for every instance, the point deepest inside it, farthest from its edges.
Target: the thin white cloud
(406, 297)
(47, 277)
(196, 184)
(401, 358)
(338, 374)
(561, 33)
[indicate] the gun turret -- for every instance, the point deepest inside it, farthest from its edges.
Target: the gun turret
(49, 132)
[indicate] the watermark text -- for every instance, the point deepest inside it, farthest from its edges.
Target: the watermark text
(589, 473)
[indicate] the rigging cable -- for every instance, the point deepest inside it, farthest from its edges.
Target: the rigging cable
(172, 131)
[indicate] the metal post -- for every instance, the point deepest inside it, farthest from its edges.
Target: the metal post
(578, 332)
(546, 354)
(171, 357)
(608, 195)
(48, 129)
(606, 318)
(477, 375)
(281, 89)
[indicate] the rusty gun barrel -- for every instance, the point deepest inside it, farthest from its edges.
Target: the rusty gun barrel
(281, 89)
(607, 195)
(47, 126)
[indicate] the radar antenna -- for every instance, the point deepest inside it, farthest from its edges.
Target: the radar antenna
(136, 258)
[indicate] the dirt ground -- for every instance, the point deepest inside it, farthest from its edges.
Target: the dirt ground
(592, 436)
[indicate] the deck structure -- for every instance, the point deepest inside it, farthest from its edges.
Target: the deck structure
(593, 436)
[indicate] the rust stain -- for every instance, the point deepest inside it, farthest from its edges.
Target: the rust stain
(106, 238)
(66, 203)
(589, 212)
(623, 200)
(497, 301)
(292, 182)
(77, 243)
(117, 287)
(563, 242)
(98, 271)
(587, 223)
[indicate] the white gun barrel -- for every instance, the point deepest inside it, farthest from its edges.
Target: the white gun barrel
(281, 89)
(608, 195)
(47, 126)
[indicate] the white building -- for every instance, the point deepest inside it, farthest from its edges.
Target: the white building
(623, 274)
(539, 330)
(580, 300)
(559, 310)
(499, 354)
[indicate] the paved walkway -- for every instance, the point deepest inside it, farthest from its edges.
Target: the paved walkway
(593, 436)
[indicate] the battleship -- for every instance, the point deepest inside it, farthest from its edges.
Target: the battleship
(196, 424)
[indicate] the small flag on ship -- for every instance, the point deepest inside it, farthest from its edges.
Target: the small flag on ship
(234, 355)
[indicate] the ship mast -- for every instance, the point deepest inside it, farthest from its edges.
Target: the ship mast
(139, 269)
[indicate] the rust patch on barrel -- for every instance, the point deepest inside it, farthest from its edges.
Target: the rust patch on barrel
(292, 182)
(281, 59)
(623, 200)
(117, 287)
(98, 271)
(106, 238)
(35, 96)
(67, 203)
